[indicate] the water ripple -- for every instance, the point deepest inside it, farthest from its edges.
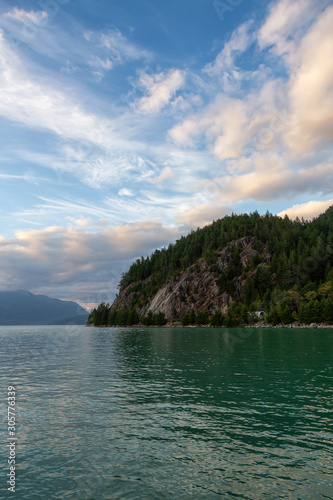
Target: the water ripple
(170, 413)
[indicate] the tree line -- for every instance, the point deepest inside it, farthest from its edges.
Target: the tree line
(103, 316)
(296, 283)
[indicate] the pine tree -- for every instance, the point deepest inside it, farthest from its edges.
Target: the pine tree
(286, 315)
(217, 318)
(202, 317)
(328, 311)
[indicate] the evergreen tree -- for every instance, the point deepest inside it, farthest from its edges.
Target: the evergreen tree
(286, 315)
(192, 317)
(217, 318)
(328, 311)
(202, 317)
(185, 321)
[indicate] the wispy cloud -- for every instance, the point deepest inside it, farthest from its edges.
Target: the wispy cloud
(286, 23)
(90, 145)
(188, 145)
(166, 174)
(17, 14)
(112, 49)
(23, 177)
(160, 88)
(34, 104)
(225, 60)
(67, 207)
(120, 48)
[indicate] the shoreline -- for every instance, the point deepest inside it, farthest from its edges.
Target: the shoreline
(260, 324)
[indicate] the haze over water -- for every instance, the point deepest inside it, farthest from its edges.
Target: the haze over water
(134, 413)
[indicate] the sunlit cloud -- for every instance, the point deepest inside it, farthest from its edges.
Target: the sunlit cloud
(114, 130)
(307, 210)
(22, 15)
(166, 174)
(202, 215)
(271, 180)
(286, 23)
(62, 257)
(311, 89)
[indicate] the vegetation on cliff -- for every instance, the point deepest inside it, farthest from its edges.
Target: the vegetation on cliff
(224, 272)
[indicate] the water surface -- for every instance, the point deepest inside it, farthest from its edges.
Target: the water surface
(128, 413)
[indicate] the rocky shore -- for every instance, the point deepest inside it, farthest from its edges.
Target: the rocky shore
(259, 324)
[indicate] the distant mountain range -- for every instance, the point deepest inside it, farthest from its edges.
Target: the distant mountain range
(20, 307)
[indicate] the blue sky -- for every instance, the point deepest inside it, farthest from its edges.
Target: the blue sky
(125, 124)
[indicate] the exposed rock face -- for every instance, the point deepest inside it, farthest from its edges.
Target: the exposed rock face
(247, 252)
(191, 290)
(197, 287)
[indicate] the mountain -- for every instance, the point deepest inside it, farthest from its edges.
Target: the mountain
(24, 308)
(229, 271)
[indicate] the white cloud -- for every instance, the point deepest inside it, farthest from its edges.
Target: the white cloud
(37, 105)
(225, 60)
(81, 221)
(273, 141)
(184, 133)
(121, 48)
(271, 180)
(161, 88)
(70, 262)
(25, 177)
(22, 26)
(24, 16)
(229, 125)
(112, 49)
(311, 89)
(90, 145)
(307, 210)
(166, 175)
(286, 17)
(222, 123)
(276, 140)
(125, 192)
(104, 64)
(202, 215)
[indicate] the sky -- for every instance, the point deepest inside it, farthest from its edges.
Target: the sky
(124, 125)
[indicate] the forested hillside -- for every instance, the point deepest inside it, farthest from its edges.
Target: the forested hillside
(233, 267)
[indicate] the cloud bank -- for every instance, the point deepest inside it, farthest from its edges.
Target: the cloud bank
(73, 263)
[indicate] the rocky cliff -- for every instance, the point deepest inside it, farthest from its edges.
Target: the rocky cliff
(199, 286)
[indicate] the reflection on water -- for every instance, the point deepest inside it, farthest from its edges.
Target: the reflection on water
(171, 413)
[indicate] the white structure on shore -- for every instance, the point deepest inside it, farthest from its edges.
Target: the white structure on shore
(259, 314)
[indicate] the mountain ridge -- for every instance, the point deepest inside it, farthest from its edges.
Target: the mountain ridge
(21, 307)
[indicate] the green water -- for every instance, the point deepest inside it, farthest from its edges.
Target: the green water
(126, 413)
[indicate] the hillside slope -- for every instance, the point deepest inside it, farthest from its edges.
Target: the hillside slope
(238, 264)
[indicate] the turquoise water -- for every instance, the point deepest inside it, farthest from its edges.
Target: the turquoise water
(126, 413)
